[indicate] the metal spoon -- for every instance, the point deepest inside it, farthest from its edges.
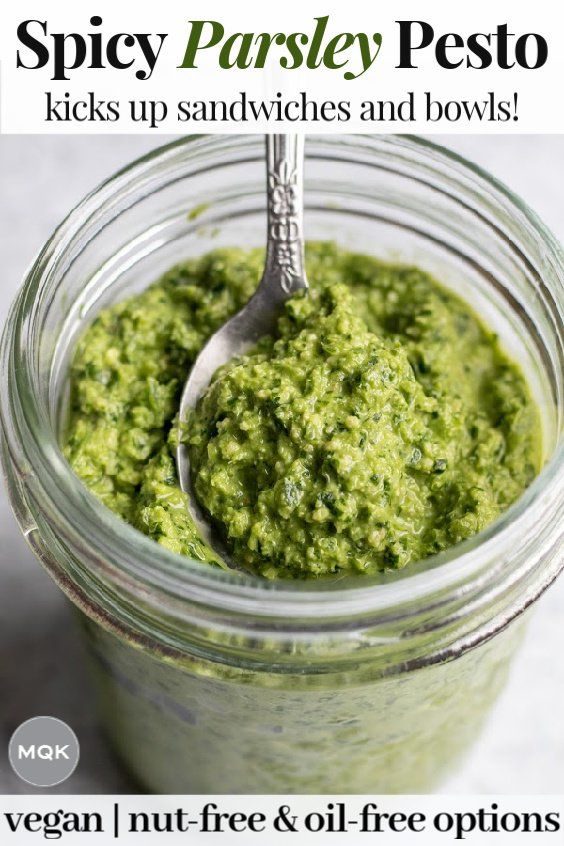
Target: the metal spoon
(283, 275)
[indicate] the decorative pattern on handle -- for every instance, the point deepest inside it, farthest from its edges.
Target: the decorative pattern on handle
(285, 254)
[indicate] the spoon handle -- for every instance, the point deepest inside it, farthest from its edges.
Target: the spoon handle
(284, 271)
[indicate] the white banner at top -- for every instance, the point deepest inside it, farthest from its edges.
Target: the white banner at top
(220, 66)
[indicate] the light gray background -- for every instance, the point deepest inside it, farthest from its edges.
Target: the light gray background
(41, 664)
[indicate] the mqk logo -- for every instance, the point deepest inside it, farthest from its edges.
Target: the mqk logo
(44, 751)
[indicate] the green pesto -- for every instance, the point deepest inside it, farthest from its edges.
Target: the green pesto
(382, 424)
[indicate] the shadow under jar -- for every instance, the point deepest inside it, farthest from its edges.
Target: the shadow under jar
(211, 681)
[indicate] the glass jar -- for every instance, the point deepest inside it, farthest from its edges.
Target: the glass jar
(217, 682)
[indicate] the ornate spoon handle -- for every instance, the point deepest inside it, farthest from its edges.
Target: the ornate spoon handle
(284, 271)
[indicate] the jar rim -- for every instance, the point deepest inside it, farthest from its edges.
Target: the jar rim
(137, 557)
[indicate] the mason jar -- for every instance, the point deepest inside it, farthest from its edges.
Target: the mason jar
(218, 682)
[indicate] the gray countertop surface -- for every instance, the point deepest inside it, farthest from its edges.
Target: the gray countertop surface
(41, 662)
